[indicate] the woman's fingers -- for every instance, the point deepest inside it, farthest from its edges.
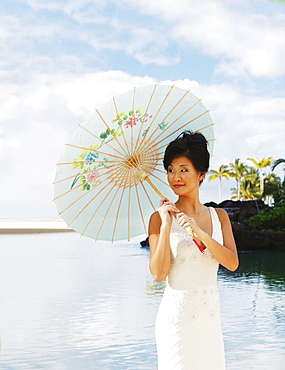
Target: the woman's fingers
(163, 201)
(166, 205)
(184, 220)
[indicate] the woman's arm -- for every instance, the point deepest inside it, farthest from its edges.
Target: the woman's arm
(158, 234)
(226, 253)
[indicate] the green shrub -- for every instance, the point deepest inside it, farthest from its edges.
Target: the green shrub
(269, 219)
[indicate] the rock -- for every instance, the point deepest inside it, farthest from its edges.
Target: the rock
(258, 240)
(211, 204)
(144, 243)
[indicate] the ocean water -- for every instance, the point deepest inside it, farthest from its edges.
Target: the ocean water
(68, 303)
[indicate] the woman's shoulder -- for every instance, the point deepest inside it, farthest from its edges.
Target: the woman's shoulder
(222, 214)
(155, 217)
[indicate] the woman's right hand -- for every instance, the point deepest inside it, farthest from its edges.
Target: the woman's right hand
(165, 211)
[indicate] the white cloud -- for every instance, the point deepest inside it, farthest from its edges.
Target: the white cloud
(255, 43)
(243, 41)
(38, 118)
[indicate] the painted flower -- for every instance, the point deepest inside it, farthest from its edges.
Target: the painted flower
(91, 156)
(131, 121)
(162, 125)
(91, 178)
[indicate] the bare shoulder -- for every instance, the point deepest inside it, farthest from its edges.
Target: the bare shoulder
(154, 223)
(155, 218)
(223, 215)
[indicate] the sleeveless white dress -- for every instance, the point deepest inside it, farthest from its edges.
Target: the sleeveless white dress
(188, 328)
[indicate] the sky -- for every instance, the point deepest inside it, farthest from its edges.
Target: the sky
(62, 59)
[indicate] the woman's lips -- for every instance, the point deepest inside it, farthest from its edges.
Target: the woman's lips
(177, 186)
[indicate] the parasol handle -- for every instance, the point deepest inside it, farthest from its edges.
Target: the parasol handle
(144, 176)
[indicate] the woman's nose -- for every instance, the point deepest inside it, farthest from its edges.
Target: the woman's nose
(177, 176)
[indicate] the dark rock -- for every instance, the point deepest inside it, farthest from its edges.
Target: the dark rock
(257, 240)
(231, 204)
(144, 243)
(211, 204)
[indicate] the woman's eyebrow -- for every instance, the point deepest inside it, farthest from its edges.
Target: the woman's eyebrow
(181, 165)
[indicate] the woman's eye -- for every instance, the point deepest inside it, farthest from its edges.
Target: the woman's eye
(169, 170)
(184, 170)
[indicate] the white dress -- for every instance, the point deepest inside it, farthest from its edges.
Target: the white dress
(188, 328)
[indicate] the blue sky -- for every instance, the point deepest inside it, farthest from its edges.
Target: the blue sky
(61, 59)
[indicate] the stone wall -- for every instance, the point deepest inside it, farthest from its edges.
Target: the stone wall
(247, 239)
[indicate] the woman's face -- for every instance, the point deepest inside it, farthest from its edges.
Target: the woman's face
(183, 177)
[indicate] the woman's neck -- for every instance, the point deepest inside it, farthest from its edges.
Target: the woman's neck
(189, 206)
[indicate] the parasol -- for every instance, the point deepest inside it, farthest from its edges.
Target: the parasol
(110, 174)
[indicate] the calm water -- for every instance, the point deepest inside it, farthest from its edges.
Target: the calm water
(67, 303)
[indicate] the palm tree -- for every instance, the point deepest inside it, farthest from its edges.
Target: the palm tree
(223, 171)
(276, 163)
(249, 185)
(260, 164)
(272, 187)
(281, 196)
(237, 170)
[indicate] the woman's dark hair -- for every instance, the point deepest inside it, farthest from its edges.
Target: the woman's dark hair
(192, 145)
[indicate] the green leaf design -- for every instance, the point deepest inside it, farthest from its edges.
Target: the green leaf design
(103, 135)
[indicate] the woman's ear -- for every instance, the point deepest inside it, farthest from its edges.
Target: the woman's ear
(202, 176)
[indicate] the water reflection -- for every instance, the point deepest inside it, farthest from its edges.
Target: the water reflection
(253, 311)
(67, 303)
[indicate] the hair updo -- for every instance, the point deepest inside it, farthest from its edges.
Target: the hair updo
(193, 146)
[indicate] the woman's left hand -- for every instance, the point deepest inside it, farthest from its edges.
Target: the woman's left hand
(189, 223)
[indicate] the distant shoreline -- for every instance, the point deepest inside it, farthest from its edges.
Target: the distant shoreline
(14, 226)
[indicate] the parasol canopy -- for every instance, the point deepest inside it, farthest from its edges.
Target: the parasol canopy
(110, 175)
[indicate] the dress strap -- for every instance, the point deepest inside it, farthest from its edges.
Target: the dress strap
(216, 226)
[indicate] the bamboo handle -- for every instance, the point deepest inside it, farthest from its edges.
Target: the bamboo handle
(144, 176)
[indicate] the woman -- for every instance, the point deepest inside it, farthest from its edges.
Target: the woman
(188, 328)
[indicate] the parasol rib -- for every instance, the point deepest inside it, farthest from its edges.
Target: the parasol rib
(107, 212)
(117, 214)
(140, 209)
(170, 111)
(133, 115)
(161, 171)
(114, 136)
(84, 194)
(158, 178)
(94, 150)
(78, 174)
(115, 184)
(148, 196)
(163, 146)
(89, 161)
(146, 114)
(102, 141)
(153, 119)
(129, 214)
(97, 209)
(117, 113)
(173, 122)
(181, 127)
(78, 186)
(115, 225)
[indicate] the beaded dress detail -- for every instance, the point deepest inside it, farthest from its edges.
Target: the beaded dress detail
(188, 328)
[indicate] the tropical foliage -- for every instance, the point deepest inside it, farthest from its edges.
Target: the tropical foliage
(269, 219)
(253, 181)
